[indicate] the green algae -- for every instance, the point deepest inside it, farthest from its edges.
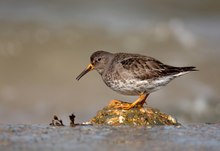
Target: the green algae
(138, 116)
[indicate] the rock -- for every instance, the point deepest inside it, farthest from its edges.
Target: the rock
(56, 121)
(138, 116)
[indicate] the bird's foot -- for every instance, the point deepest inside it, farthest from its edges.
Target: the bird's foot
(123, 105)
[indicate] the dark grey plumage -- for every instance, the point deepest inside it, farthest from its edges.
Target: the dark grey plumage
(133, 74)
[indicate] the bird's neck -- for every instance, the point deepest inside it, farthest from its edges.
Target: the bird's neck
(102, 71)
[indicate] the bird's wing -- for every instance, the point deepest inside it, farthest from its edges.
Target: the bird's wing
(145, 68)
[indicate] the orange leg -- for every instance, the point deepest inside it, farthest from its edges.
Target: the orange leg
(140, 100)
(127, 106)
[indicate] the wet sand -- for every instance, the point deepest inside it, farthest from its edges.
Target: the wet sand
(190, 137)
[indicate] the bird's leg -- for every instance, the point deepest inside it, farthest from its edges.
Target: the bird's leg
(118, 104)
(144, 100)
(126, 105)
(140, 100)
(114, 102)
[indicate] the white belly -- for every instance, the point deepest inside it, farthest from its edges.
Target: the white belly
(136, 87)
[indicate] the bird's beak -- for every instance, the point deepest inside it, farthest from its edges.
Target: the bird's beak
(89, 68)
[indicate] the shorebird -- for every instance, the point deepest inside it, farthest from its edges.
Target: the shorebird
(133, 74)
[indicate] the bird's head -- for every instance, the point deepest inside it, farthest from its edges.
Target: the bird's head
(98, 61)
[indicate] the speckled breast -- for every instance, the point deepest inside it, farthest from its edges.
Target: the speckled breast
(129, 86)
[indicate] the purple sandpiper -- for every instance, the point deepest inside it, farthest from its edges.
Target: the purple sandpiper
(133, 74)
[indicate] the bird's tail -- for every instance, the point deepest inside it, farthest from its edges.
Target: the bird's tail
(183, 70)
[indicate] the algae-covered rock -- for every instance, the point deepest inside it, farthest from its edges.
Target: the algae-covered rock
(140, 116)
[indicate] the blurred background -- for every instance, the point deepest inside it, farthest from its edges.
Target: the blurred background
(45, 44)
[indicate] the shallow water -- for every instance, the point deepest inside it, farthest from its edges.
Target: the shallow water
(44, 46)
(37, 137)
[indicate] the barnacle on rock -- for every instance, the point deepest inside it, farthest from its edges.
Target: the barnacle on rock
(139, 116)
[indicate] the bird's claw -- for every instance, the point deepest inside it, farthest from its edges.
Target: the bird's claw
(120, 105)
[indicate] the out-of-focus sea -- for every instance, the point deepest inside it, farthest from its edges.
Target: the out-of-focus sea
(45, 44)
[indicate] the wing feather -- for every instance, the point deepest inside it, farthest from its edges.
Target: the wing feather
(149, 68)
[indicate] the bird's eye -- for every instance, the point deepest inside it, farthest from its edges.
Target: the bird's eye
(99, 59)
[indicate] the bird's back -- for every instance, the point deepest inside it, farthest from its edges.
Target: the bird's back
(132, 73)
